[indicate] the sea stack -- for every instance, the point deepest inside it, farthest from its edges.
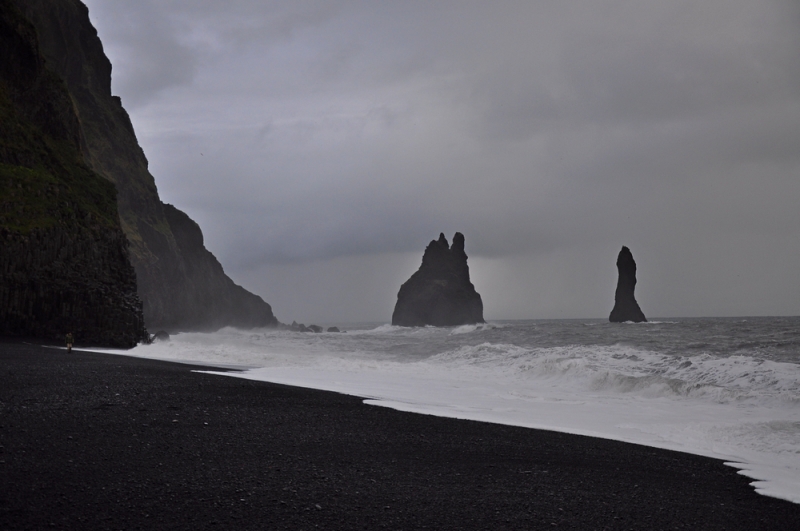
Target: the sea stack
(625, 306)
(440, 292)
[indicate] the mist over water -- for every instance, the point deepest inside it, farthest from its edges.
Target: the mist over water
(726, 388)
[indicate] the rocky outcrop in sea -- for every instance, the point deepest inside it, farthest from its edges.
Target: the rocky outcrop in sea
(625, 306)
(440, 292)
(182, 285)
(64, 262)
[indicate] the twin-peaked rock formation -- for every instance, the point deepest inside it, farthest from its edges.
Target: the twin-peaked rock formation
(625, 306)
(440, 292)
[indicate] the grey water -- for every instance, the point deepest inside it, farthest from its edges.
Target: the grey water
(767, 338)
(760, 338)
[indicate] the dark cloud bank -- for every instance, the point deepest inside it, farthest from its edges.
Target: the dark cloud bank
(321, 145)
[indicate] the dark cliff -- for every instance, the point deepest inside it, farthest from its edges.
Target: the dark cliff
(221, 302)
(440, 292)
(181, 284)
(625, 306)
(64, 263)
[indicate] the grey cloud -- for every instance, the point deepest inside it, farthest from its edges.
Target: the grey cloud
(149, 56)
(633, 72)
(338, 135)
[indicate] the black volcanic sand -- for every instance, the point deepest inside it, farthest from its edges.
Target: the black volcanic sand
(94, 441)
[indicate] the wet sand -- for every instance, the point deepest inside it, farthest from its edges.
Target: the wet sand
(98, 441)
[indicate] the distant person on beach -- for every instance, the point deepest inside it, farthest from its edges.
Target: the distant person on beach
(69, 342)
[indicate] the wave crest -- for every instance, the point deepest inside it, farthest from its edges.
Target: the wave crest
(621, 369)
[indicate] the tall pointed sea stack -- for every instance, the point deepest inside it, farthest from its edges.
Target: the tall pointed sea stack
(625, 306)
(440, 292)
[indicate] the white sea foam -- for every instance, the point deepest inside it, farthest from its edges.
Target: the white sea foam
(386, 329)
(743, 409)
(466, 329)
(648, 323)
(627, 370)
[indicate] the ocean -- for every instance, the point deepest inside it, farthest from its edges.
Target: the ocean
(728, 388)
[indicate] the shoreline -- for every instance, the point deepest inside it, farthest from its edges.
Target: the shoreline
(91, 440)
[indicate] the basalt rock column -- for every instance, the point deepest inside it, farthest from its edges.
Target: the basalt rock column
(625, 306)
(440, 292)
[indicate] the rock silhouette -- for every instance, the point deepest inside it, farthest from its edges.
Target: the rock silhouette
(160, 336)
(625, 306)
(64, 261)
(180, 283)
(440, 292)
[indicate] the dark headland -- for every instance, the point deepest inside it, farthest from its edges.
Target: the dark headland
(64, 263)
(440, 292)
(625, 306)
(98, 441)
(86, 244)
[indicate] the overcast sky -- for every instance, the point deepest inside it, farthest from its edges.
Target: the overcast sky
(321, 146)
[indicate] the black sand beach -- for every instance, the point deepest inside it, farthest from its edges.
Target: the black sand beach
(93, 441)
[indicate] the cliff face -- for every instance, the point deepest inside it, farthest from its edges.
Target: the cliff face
(625, 306)
(181, 284)
(221, 302)
(440, 292)
(64, 262)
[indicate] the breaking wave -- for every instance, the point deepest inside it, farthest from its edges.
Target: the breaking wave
(628, 370)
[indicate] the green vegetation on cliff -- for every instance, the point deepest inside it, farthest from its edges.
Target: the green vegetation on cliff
(182, 285)
(73, 50)
(52, 185)
(43, 177)
(63, 257)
